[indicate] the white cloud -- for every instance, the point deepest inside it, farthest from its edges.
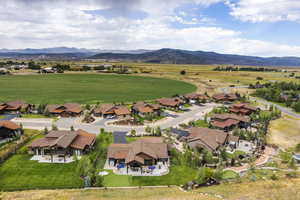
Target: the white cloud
(266, 10)
(44, 24)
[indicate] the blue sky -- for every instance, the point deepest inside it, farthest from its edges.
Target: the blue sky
(249, 27)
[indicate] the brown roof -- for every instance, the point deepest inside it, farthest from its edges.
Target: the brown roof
(9, 125)
(170, 101)
(75, 139)
(225, 97)
(105, 109)
(139, 150)
(243, 108)
(68, 107)
(122, 110)
(207, 138)
(224, 124)
(145, 108)
(196, 96)
(223, 117)
(83, 139)
(15, 105)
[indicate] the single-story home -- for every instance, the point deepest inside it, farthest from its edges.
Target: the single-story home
(142, 108)
(243, 109)
(110, 110)
(228, 121)
(209, 139)
(65, 110)
(174, 102)
(223, 97)
(9, 129)
(196, 98)
(63, 144)
(144, 152)
(15, 107)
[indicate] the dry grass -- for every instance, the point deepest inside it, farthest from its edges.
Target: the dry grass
(260, 190)
(112, 194)
(284, 132)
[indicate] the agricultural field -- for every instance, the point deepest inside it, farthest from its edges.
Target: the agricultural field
(88, 88)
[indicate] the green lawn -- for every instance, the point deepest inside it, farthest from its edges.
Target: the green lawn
(178, 175)
(88, 88)
(19, 172)
(229, 175)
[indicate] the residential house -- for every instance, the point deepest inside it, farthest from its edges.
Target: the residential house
(174, 103)
(122, 112)
(143, 154)
(223, 97)
(243, 109)
(227, 121)
(143, 109)
(208, 139)
(60, 146)
(110, 111)
(64, 110)
(15, 107)
(9, 129)
(196, 98)
(104, 110)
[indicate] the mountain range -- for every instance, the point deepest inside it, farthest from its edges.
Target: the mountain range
(165, 56)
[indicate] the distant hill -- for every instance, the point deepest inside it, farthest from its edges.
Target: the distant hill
(176, 56)
(65, 50)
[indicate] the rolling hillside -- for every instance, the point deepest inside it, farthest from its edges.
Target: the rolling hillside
(175, 56)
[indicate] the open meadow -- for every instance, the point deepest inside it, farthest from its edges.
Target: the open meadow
(88, 88)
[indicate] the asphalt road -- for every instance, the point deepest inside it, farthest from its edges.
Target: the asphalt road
(195, 113)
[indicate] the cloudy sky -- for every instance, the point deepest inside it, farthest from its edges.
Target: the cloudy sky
(250, 27)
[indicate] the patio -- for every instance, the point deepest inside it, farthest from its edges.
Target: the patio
(159, 169)
(56, 159)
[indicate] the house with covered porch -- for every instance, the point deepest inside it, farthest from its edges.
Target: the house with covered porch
(172, 103)
(15, 107)
(9, 130)
(147, 156)
(61, 146)
(228, 121)
(142, 109)
(64, 110)
(111, 111)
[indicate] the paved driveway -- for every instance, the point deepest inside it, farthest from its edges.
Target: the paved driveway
(9, 116)
(119, 137)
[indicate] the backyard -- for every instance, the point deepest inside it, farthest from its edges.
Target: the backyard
(19, 173)
(178, 175)
(88, 88)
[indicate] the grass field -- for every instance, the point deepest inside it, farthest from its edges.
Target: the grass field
(109, 194)
(19, 172)
(258, 190)
(88, 88)
(284, 132)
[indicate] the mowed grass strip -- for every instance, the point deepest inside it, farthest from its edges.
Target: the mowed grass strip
(88, 88)
(19, 173)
